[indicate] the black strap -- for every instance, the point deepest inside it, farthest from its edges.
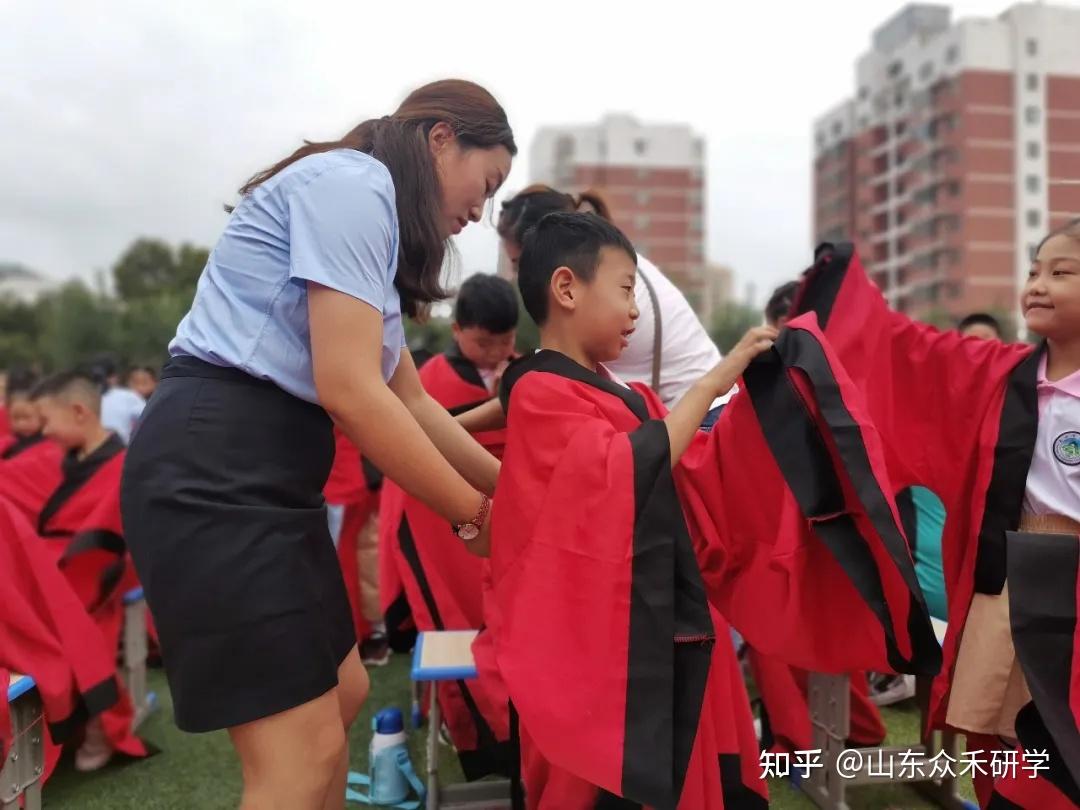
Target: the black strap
(658, 331)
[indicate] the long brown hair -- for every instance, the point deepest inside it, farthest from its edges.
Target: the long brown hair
(400, 142)
(526, 208)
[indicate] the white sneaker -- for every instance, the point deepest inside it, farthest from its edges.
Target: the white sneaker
(95, 752)
(896, 689)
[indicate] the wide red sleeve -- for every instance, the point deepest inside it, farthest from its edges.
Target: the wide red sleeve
(927, 391)
(599, 618)
(798, 534)
(27, 481)
(45, 632)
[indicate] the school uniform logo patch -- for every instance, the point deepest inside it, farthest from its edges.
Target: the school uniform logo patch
(1067, 448)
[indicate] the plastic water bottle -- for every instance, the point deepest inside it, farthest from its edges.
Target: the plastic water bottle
(388, 784)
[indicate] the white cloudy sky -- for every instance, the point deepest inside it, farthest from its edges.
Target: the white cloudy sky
(123, 119)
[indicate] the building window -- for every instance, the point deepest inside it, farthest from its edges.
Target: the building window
(952, 53)
(926, 71)
(1033, 81)
(697, 251)
(696, 224)
(1034, 218)
(1031, 114)
(1031, 182)
(1032, 47)
(895, 69)
(864, 91)
(1033, 149)
(642, 174)
(643, 197)
(1033, 251)
(640, 146)
(642, 221)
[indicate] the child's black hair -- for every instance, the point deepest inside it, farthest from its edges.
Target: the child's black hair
(779, 303)
(68, 382)
(563, 240)
(980, 318)
(487, 301)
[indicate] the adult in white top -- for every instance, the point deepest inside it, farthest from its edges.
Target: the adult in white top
(686, 350)
(120, 407)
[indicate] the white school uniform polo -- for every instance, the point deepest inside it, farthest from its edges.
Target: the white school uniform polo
(1053, 481)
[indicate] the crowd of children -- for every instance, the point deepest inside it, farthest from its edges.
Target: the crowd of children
(869, 473)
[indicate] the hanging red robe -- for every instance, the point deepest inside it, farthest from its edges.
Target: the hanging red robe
(29, 477)
(46, 633)
(82, 532)
(443, 582)
(354, 485)
(604, 562)
(958, 416)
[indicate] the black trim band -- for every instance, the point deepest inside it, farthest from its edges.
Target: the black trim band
(737, 795)
(1017, 431)
(1043, 571)
(804, 460)
(558, 363)
(20, 445)
(76, 474)
(822, 282)
(91, 703)
(666, 681)
(463, 366)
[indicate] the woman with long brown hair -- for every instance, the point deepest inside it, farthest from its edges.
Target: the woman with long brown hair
(296, 325)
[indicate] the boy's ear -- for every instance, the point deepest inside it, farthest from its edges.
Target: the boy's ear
(455, 330)
(563, 283)
(80, 410)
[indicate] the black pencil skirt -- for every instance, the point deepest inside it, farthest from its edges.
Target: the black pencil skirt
(224, 515)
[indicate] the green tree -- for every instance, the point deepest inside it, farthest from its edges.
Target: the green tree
(731, 322)
(20, 326)
(150, 268)
(76, 323)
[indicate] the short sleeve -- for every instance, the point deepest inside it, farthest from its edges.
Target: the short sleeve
(341, 232)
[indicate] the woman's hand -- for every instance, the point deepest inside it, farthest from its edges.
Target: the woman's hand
(481, 544)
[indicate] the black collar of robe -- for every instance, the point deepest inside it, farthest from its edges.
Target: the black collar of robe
(20, 444)
(558, 363)
(464, 367)
(76, 473)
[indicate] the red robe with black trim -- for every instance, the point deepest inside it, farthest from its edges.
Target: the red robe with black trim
(352, 486)
(29, 476)
(960, 417)
(81, 531)
(46, 633)
(609, 569)
(443, 582)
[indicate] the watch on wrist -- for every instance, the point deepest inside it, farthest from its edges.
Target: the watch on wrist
(470, 529)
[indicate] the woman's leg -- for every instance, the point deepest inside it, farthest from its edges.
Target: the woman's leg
(290, 759)
(352, 691)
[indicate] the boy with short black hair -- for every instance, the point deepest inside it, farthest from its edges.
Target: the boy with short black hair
(80, 525)
(620, 532)
(981, 325)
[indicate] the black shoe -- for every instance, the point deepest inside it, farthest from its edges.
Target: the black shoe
(375, 650)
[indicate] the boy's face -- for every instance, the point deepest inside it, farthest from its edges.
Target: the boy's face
(23, 416)
(142, 383)
(69, 423)
(605, 308)
(1051, 297)
(483, 348)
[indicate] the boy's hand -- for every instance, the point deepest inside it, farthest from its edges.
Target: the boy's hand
(727, 371)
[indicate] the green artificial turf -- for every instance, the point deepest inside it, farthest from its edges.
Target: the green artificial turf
(200, 771)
